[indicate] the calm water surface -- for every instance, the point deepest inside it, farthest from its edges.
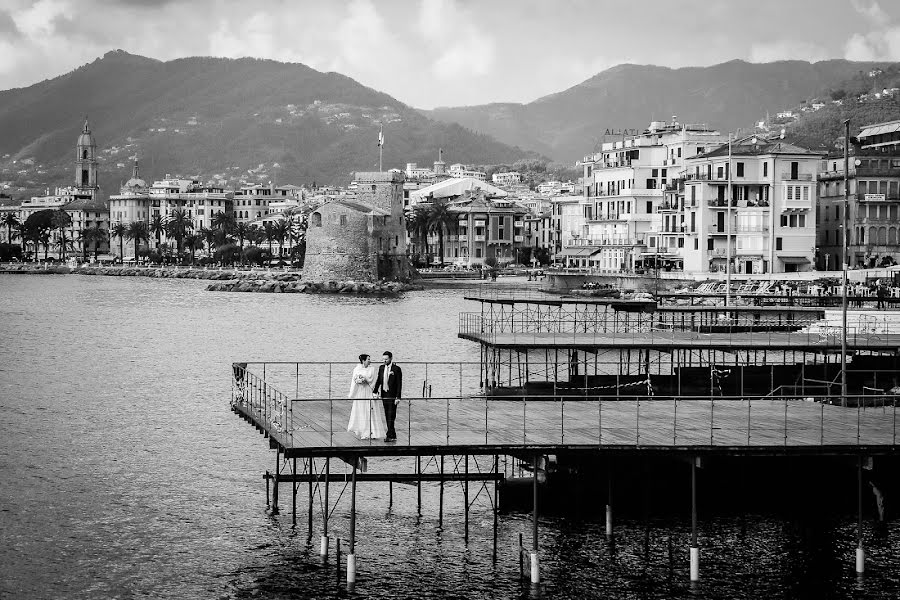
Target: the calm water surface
(124, 474)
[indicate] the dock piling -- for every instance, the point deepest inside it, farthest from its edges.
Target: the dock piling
(695, 550)
(466, 502)
(609, 516)
(275, 484)
(323, 550)
(294, 493)
(351, 556)
(860, 551)
(309, 520)
(535, 562)
(441, 496)
(496, 506)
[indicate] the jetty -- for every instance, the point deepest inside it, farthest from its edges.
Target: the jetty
(594, 380)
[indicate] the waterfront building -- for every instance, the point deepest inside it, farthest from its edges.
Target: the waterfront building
(461, 170)
(452, 188)
(623, 187)
(87, 213)
(567, 239)
(508, 178)
(252, 202)
(766, 224)
(874, 217)
(484, 227)
(362, 239)
(132, 203)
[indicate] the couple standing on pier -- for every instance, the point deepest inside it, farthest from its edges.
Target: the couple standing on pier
(370, 419)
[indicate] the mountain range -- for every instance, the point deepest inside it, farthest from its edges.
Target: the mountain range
(570, 124)
(257, 119)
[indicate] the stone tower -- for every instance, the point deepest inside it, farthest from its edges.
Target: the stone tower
(86, 161)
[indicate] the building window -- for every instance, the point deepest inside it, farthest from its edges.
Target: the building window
(765, 169)
(740, 169)
(343, 219)
(778, 243)
(696, 243)
(316, 219)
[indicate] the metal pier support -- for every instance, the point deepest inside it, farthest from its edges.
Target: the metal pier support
(351, 556)
(309, 520)
(496, 505)
(466, 499)
(275, 485)
(323, 545)
(418, 485)
(860, 551)
(609, 514)
(441, 496)
(535, 562)
(695, 550)
(294, 493)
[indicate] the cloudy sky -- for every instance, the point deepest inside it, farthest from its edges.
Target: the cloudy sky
(446, 52)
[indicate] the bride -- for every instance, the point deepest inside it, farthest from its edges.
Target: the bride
(367, 414)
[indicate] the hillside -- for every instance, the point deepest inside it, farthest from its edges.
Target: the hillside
(259, 120)
(571, 123)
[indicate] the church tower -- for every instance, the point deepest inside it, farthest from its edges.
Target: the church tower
(86, 161)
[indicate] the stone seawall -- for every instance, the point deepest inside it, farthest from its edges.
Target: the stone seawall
(227, 280)
(392, 288)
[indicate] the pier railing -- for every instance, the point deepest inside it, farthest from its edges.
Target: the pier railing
(646, 328)
(787, 420)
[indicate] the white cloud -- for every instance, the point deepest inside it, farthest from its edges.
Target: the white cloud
(461, 49)
(786, 50)
(882, 43)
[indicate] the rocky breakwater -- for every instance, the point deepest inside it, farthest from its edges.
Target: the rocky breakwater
(290, 283)
(160, 272)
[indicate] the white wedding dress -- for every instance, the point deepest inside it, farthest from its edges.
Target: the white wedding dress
(367, 413)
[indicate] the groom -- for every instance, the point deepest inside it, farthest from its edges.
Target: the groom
(390, 384)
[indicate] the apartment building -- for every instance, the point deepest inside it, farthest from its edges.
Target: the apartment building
(623, 187)
(508, 178)
(461, 170)
(874, 207)
(752, 201)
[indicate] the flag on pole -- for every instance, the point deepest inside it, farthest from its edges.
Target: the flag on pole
(381, 136)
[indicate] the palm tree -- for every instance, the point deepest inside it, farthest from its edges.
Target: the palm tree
(270, 234)
(439, 219)
(177, 226)
(61, 220)
(224, 221)
(157, 228)
(281, 230)
(138, 231)
(23, 232)
(91, 235)
(208, 236)
(192, 242)
(119, 230)
(417, 223)
(240, 230)
(12, 222)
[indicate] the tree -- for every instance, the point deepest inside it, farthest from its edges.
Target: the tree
(269, 230)
(417, 224)
(157, 228)
(227, 254)
(177, 226)
(440, 219)
(12, 222)
(207, 236)
(22, 234)
(91, 235)
(38, 226)
(61, 221)
(119, 230)
(281, 230)
(138, 232)
(240, 230)
(224, 221)
(192, 242)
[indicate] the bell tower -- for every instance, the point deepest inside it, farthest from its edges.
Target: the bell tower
(86, 161)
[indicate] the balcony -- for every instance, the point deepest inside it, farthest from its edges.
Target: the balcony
(463, 237)
(787, 176)
(479, 238)
(518, 238)
(518, 224)
(863, 197)
(478, 224)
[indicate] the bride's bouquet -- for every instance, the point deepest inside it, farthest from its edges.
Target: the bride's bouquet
(360, 378)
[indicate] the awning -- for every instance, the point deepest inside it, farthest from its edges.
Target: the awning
(794, 260)
(880, 129)
(575, 252)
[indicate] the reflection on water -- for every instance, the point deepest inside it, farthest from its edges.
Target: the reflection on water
(124, 473)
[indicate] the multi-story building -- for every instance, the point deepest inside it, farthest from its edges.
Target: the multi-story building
(624, 186)
(461, 170)
(485, 228)
(874, 208)
(508, 178)
(567, 227)
(752, 200)
(87, 213)
(252, 202)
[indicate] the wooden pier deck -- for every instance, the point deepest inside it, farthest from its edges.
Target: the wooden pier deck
(490, 426)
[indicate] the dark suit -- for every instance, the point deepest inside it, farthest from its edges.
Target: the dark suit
(389, 394)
